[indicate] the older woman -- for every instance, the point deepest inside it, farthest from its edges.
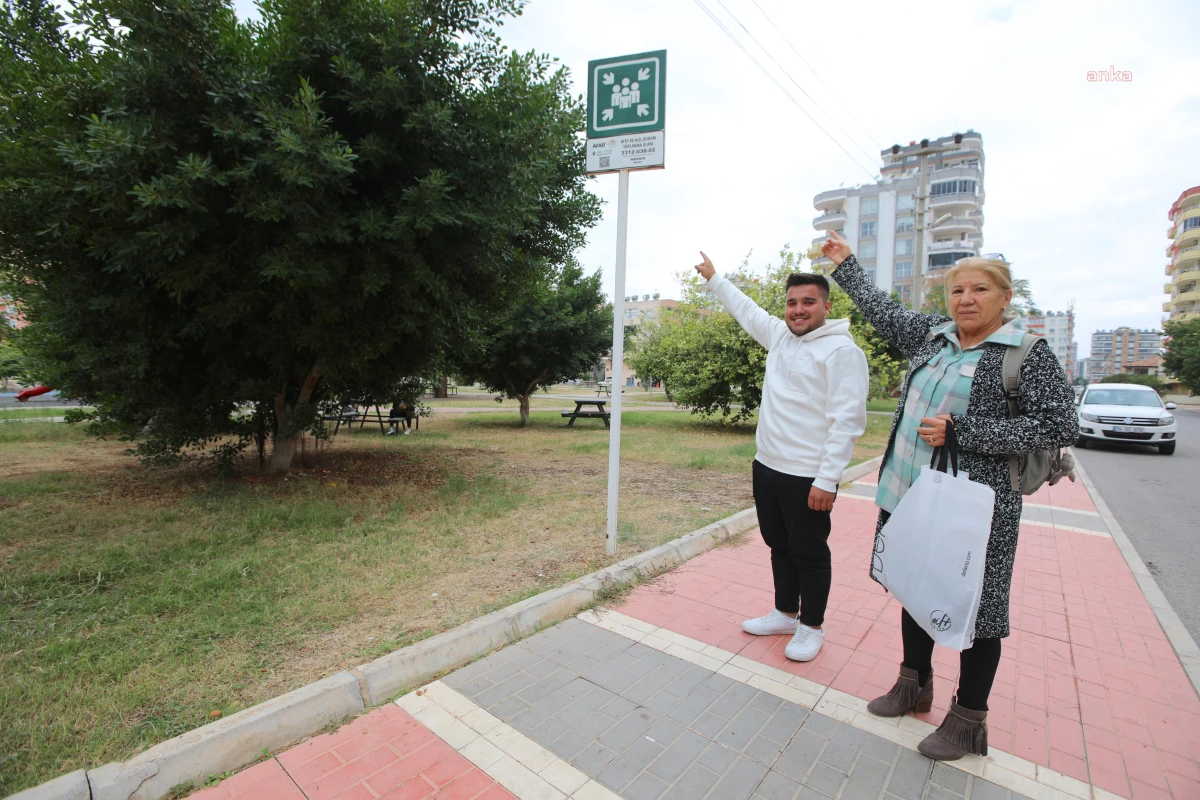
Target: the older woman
(955, 374)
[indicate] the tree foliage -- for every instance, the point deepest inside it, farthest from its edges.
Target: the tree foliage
(201, 216)
(1182, 357)
(712, 366)
(1153, 381)
(545, 334)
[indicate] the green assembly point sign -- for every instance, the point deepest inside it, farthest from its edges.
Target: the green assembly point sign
(627, 94)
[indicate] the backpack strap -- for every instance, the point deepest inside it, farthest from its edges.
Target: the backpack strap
(1014, 357)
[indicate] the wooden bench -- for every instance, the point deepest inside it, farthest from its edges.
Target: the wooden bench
(579, 413)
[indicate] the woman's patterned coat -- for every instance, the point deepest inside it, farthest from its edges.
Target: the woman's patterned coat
(986, 435)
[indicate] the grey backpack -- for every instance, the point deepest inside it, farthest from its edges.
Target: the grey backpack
(1041, 466)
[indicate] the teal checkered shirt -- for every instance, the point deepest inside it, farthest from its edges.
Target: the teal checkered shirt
(941, 386)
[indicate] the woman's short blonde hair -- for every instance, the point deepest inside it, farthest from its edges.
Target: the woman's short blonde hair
(992, 266)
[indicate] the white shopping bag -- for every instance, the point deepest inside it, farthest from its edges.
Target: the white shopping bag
(931, 552)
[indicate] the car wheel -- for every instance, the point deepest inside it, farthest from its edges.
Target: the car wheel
(1166, 449)
(1081, 443)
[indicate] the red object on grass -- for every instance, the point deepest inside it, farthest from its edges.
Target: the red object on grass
(25, 394)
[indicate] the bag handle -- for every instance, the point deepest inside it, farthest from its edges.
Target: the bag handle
(947, 454)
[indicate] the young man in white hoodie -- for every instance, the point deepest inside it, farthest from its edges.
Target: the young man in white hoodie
(814, 408)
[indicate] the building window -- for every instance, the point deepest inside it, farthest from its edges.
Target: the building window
(871, 273)
(868, 205)
(866, 229)
(904, 224)
(938, 260)
(952, 187)
(903, 269)
(1193, 222)
(866, 250)
(904, 247)
(904, 202)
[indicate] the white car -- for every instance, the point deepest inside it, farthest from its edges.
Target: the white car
(1126, 413)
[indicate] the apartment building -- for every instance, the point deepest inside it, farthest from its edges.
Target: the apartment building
(1058, 329)
(1183, 269)
(878, 220)
(1118, 351)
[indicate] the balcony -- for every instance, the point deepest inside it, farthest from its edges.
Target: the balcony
(1186, 297)
(956, 200)
(957, 244)
(1167, 288)
(1167, 306)
(834, 197)
(1188, 255)
(834, 220)
(960, 225)
(1184, 316)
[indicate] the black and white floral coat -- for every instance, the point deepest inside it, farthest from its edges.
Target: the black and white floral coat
(986, 435)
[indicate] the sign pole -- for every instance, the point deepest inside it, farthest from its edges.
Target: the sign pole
(618, 361)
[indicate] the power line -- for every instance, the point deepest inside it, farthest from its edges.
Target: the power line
(817, 75)
(788, 94)
(870, 156)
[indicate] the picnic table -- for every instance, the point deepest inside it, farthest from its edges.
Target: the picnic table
(351, 414)
(579, 413)
(604, 387)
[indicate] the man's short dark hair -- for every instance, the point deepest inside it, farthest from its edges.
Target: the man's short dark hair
(809, 279)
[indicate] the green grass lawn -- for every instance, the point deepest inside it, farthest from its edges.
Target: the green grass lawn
(135, 602)
(888, 405)
(34, 411)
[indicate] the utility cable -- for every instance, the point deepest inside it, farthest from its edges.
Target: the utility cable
(782, 88)
(817, 75)
(870, 156)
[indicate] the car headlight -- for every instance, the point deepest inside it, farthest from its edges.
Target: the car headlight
(1166, 419)
(1089, 417)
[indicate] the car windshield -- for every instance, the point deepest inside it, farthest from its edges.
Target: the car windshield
(1121, 397)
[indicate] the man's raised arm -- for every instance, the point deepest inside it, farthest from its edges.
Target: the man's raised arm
(756, 322)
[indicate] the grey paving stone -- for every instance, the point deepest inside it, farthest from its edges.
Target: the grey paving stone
(538, 712)
(618, 707)
(776, 786)
(986, 790)
(503, 668)
(613, 665)
(709, 724)
(734, 700)
(867, 779)
(811, 794)
(880, 748)
(626, 766)
(580, 665)
(544, 686)
(717, 758)
(719, 683)
(955, 780)
(800, 754)
(548, 731)
(541, 669)
(784, 724)
(764, 750)
(681, 753)
(592, 759)
(743, 728)
(646, 787)
(647, 664)
(585, 707)
(938, 793)
(693, 705)
(825, 779)
(909, 776)
(648, 686)
(686, 681)
(505, 689)
(581, 735)
(766, 702)
(665, 731)
(616, 681)
(578, 688)
(821, 725)
(694, 784)
(843, 748)
(740, 781)
(661, 703)
(508, 708)
(629, 729)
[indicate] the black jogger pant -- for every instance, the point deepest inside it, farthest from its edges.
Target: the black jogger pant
(799, 542)
(977, 664)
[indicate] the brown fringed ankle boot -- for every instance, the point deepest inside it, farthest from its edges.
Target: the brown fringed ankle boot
(907, 695)
(963, 731)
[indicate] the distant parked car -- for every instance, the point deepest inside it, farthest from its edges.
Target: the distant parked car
(1126, 413)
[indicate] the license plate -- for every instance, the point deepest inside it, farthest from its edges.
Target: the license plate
(1128, 429)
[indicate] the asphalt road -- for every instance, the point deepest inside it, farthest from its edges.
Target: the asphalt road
(1156, 499)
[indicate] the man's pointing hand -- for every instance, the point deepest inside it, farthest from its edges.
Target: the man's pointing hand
(706, 268)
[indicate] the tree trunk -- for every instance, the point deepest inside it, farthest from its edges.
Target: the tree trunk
(524, 400)
(285, 449)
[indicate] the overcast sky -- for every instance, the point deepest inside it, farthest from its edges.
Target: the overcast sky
(1079, 175)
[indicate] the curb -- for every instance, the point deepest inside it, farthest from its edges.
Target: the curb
(239, 740)
(1177, 633)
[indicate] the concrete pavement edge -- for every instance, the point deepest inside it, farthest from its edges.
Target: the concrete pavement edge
(1177, 633)
(240, 739)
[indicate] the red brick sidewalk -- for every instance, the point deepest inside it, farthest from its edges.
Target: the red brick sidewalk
(383, 754)
(1088, 685)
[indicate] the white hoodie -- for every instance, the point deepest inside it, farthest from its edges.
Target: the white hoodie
(814, 400)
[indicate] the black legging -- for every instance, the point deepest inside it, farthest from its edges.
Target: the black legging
(977, 665)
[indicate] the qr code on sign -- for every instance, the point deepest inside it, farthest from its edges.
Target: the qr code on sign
(604, 161)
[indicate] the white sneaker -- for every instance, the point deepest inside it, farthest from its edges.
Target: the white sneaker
(770, 625)
(407, 431)
(805, 645)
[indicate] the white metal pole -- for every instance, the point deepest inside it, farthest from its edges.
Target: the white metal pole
(618, 361)
(918, 271)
